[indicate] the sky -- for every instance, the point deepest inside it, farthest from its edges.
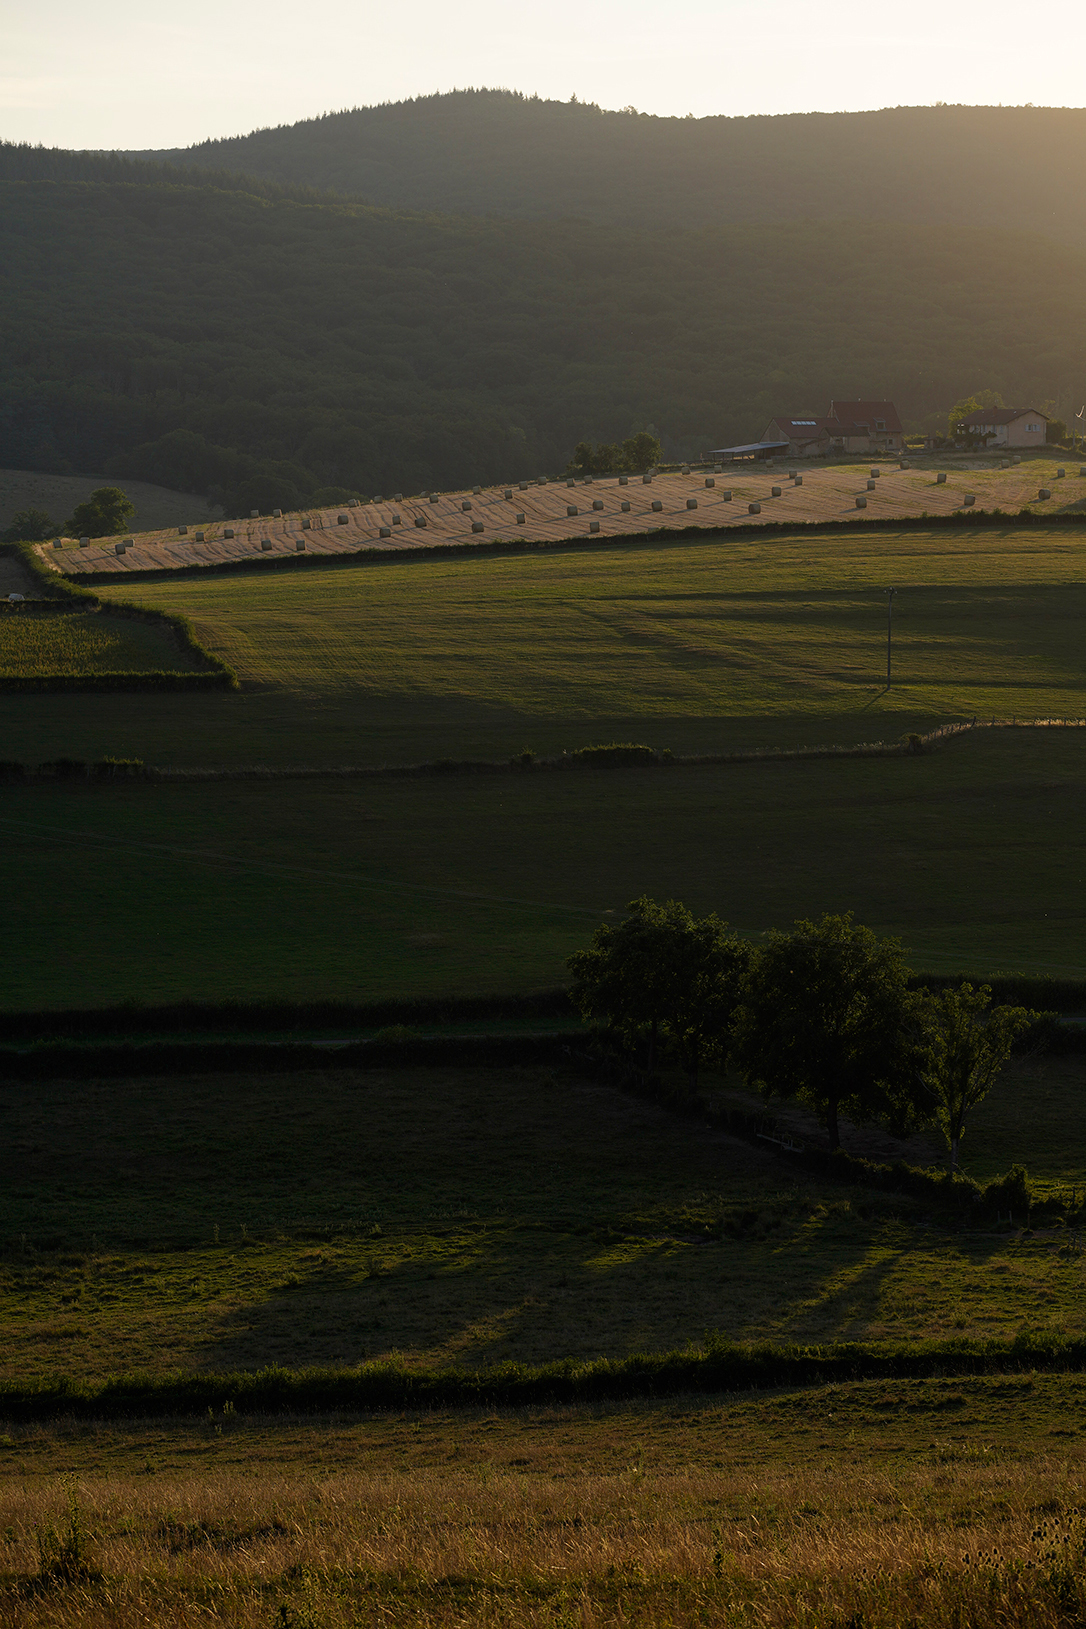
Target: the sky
(129, 74)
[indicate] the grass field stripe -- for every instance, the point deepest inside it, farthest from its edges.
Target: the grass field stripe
(268, 867)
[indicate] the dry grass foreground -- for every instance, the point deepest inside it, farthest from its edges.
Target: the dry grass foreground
(827, 493)
(920, 1503)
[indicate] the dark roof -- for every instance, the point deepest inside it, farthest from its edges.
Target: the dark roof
(1002, 415)
(809, 429)
(748, 446)
(853, 417)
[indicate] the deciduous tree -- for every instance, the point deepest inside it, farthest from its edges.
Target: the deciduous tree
(966, 1047)
(106, 512)
(827, 1016)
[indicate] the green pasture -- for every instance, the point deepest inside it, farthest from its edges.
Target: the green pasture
(88, 643)
(469, 1216)
(727, 641)
(973, 854)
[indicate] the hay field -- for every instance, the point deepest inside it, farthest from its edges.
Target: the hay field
(88, 643)
(827, 493)
(934, 1504)
(465, 885)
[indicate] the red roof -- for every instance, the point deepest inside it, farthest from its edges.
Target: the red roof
(856, 418)
(1002, 415)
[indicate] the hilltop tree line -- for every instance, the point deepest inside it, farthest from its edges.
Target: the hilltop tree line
(267, 351)
(824, 1014)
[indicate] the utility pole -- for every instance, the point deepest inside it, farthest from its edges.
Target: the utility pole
(890, 592)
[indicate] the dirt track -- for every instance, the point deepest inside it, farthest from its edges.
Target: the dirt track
(828, 493)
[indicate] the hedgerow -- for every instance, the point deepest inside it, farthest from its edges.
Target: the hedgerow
(719, 1366)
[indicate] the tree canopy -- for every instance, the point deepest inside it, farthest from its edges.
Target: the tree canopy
(104, 514)
(827, 1016)
(663, 972)
(967, 1044)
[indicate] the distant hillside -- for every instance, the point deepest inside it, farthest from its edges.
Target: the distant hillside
(490, 152)
(241, 346)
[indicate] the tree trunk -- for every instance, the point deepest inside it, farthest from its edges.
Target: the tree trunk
(954, 1151)
(831, 1125)
(652, 1047)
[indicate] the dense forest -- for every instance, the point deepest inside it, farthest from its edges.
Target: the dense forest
(266, 343)
(494, 152)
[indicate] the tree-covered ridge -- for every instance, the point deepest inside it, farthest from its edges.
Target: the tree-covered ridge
(207, 339)
(496, 152)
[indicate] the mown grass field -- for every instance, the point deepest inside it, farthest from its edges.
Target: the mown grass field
(972, 854)
(731, 641)
(932, 1503)
(91, 643)
(466, 1217)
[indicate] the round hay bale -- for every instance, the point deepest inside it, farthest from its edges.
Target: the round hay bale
(1044, 492)
(476, 525)
(871, 486)
(798, 481)
(199, 537)
(624, 480)
(434, 500)
(571, 483)
(508, 493)
(182, 531)
(940, 479)
(774, 492)
(420, 520)
(754, 508)
(341, 520)
(727, 495)
(709, 481)
(475, 489)
(593, 526)
(691, 503)
(384, 531)
(861, 503)
(84, 542)
(277, 514)
(657, 506)
(520, 520)
(399, 496)
(254, 514)
(969, 500)
(874, 474)
(597, 503)
(522, 486)
(625, 506)
(571, 509)
(307, 526)
(229, 530)
(395, 520)
(299, 545)
(646, 480)
(465, 507)
(1060, 473)
(265, 543)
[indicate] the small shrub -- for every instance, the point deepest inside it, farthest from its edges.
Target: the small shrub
(117, 768)
(63, 769)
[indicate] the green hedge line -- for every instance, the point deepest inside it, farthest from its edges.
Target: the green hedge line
(373, 556)
(203, 1018)
(53, 682)
(61, 1060)
(61, 592)
(719, 1367)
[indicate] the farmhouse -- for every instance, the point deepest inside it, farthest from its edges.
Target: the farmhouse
(1007, 426)
(851, 427)
(806, 437)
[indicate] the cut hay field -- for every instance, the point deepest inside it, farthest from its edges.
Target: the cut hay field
(696, 646)
(396, 886)
(88, 643)
(557, 508)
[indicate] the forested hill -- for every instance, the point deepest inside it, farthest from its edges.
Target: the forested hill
(494, 152)
(213, 340)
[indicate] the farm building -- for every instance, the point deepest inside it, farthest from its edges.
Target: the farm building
(851, 427)
(1008, 426)
(806, 437)
(768, 447)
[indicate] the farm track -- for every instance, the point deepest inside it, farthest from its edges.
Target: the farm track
(827, 494)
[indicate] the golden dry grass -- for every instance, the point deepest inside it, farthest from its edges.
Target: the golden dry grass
(933, 1545)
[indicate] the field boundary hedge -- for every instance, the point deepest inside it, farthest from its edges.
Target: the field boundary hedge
(60, 592)
(719, 1366)
(369, 555)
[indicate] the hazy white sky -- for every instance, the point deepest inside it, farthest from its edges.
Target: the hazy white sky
(129, 73)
